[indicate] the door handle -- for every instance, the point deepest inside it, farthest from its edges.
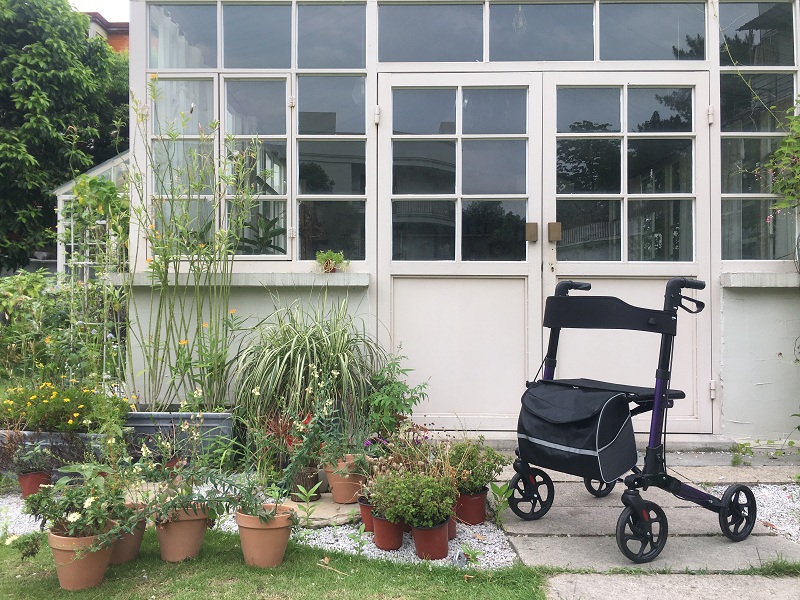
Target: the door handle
(531, 232)
(554, 232)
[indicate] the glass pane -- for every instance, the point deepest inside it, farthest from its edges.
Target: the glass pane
(424, 167)
(660, 230)
(257, 37)
(588, 110)
(423, 230)
(494, 166)
(660, 166)
(184, 106)
(590, 230)
(741, 162)
(752, 231)
(182, 168)
(332, 225)
(764, 111)
(430, 32)
(262, 165)
(331, 37)
(488, 110)
(187, 226)
(657, 31)
(256, 107)
(263, 230)
(421, 112)
(588, 166)
(331, 167)
(541, 32)
(756, 33)
(331, 105)
(183, 36)
(660, 109)
(493, 230)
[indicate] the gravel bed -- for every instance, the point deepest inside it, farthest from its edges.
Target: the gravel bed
(778, 508)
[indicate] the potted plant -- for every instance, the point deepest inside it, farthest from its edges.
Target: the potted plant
(425, 501)
(329, 260)
(265, 523)
(346, 469)
(32, 463)
(476, 465)
(387, 519)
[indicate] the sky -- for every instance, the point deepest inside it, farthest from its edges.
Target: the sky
(114, 11)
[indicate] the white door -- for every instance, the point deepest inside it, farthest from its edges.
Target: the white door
(625, 178)
(459, 278)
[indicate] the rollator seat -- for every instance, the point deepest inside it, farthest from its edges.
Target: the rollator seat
(635, 393)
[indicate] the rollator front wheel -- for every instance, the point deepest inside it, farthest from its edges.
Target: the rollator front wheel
(597, 488)
(531, 499)
(635, 540)
(738, 513)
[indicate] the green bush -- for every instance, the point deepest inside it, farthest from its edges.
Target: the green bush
(476, 464)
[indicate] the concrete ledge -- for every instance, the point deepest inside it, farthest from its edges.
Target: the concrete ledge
(760, 280)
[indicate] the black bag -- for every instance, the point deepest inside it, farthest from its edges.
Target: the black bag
(579, 431)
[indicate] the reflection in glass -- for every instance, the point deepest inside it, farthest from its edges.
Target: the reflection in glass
(332, 225)
(751, 230)
(331, 105)
(331, 167)
(659, 109)
(493, 166)
(659, 166)
(263, 164)
(588, 110)
(257, 37)
(256, 107)
(541, 32)
(756, 33)
(423, 167)
(331, 36)
(493, 230)
(741, 162)
(183, 36)
(423, 111)
(491, 110)
(653, 31)
(745, 98)
(588, 166)
(187, 223)
(264, 231)
(423, 230)
(430, 32)
(590, 230)
(184, 106)
(183, 168)
(660, 230)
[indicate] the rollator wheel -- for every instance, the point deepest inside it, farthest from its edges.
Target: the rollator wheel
(531, 501)
(597, 488)
(633, 539)
(738, 513)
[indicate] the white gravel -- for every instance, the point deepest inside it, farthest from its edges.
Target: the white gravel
(778, 508)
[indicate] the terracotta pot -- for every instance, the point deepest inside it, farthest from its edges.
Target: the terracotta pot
(76, 566)
(345, 489)
(29, 482)
(430, 543)
(451, 527)
(264, 544)
(388, 535)
(471, 508)
(182, 535)
(366, 513)
(127, 546)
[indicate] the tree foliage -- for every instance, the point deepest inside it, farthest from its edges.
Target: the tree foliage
(62, 98)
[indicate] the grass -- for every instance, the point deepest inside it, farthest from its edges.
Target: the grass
(306, 573)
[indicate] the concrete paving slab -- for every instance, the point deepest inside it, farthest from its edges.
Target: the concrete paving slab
(658, 587)
(716, 554)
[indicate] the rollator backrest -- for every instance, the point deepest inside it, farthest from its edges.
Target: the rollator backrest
(605, 312)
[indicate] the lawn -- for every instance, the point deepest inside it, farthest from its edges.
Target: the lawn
(306, 573)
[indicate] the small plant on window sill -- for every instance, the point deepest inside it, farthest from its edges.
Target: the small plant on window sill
(330, 261)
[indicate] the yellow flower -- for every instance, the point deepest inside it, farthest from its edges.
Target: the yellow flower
(232, 311)
(33, 397)
(205, 325)
(80, 405)
(45, 401)
(70, 422)
(48, 339)
(66, 400)
(183, 342)
(76, 414)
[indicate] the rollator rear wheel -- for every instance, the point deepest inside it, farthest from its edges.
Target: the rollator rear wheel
(597, 488)
(738, 513)
(633, 539)
(531, 501)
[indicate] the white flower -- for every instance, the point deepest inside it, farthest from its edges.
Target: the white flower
(145, 451)
(10, 539)
(73, 517)
(335, 373)
(88, 502)
(256, 391)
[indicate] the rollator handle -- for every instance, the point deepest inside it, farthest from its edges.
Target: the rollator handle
(563, 287)
(673, 297)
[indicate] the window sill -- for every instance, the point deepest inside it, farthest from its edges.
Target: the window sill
(311, 280)
(760, 280)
